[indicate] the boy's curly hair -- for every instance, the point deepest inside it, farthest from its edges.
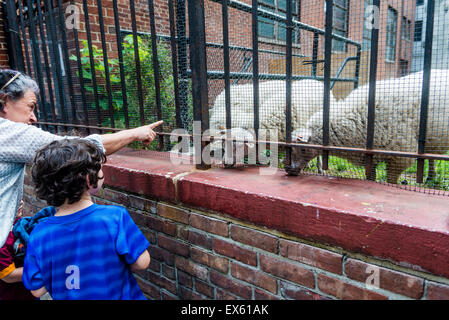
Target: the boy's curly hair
(59, 170)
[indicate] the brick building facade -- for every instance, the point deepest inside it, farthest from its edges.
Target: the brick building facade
(271, 35)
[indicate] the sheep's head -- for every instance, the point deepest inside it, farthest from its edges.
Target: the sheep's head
(300, 157)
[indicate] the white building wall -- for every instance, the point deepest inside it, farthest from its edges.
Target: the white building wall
(440, 47)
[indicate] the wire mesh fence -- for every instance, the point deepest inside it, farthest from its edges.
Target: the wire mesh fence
(358, 91)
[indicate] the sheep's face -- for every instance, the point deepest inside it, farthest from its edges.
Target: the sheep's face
(300, 156)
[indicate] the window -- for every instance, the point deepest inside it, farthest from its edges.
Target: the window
(391, 34)
(419, 2)
(275, 30)
(406, 28)
(403, 68)
(418, 31)
(366, 44)
(340, 24)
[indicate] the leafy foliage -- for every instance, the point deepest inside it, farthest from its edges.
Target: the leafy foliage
(130, 73)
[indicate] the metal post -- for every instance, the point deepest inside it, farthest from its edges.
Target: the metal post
(198, 65)
(288, 84)
(369, 169)
(182, 62)
(425, 89)
(59, 83)
(137, 60)
(316, 42)
(24, 37)
(80, 78)
(174, 57)
(120, 61)
(92, 62)
(327, 75)
(156, 73)
(66, 62)
(255, 38)
(106, 64)
(224, 10)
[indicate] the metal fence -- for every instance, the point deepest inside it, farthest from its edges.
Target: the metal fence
(357, 91)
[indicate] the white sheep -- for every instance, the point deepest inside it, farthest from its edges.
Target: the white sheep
(307, 98)
(242, 110)
(397, 114)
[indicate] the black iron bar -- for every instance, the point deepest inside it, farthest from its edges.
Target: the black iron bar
(316, 42)
(80, 78)
(25, 41)
(66, 61)
(120, 62)
(57, 62)
(137, 61)
(327, 76)
(156, 73)
(357, 66)
(51, 66)
(46, 65)
(198, 64)
(255, 40)
(106, 63)
(226, 67)
(92, 63)
(425, 89)
(174, 57)
(288, 83)
(182, 62)
(36, 55)
(370, 170)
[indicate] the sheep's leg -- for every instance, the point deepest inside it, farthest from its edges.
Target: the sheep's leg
(372, 175)
(319, 165)
(394, 170)
(432, 171)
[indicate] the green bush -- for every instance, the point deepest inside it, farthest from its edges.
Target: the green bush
(130, 72)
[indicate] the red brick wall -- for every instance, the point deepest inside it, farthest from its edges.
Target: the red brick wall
(4, 63)
(203, 255)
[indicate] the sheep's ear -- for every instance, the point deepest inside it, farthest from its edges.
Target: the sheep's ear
(302, 139)
(302, 136)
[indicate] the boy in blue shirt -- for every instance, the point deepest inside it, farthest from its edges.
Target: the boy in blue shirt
(84, 251)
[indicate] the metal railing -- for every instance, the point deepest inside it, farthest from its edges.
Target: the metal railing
(39, 46)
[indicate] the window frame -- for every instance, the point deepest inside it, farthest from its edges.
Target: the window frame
(417, 23)
(346, 26)
(406, 28)
(366, 36)
(296, 11)
(391, 31)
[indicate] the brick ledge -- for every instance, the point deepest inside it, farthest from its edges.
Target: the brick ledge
(407, 228)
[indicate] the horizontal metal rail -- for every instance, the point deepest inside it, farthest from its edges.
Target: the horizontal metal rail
(215, 45)
(429, 156)
(276, 17)
(270, 76)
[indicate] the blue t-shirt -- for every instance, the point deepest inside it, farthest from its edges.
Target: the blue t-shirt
(85, 255)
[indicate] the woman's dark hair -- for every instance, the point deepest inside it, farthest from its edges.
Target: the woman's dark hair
(17, 88)
(59, 170)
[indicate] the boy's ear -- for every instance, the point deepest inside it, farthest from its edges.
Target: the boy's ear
(88, 181)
